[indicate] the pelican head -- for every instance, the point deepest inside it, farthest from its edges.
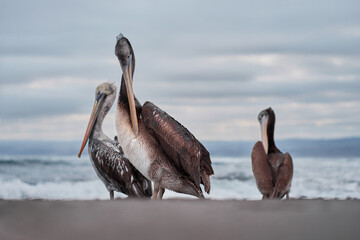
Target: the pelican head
(266, 117)
(124, 51)
(104, 98)
(126, 57)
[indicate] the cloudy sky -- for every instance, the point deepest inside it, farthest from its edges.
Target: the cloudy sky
(212, 65)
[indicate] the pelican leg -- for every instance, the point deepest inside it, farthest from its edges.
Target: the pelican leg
(161, 193)
(111, 194)
(156, 190)
(287, 196)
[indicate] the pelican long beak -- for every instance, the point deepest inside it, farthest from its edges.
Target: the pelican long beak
(93, 117)
(264, 137)
(127, 73)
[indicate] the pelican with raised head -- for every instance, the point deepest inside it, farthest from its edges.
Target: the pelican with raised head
(107, 156)
(272, 169)
(163, 150)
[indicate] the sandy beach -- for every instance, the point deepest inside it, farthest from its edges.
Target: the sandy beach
(180, 219)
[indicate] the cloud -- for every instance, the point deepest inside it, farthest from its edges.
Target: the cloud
(47, 97)
(54, 128)
(305, 78)
(213, 66)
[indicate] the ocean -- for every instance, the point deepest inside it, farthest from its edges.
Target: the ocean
(69, 178)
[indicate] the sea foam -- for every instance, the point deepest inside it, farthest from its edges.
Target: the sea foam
(67, 178)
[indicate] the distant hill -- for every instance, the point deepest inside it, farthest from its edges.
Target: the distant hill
(40, 147)
(344, 147)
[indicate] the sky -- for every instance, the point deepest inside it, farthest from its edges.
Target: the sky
(212, 65)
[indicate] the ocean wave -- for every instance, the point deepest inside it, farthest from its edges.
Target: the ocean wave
(86, 190)
(41, 160)
(58, 177)
(234, 176)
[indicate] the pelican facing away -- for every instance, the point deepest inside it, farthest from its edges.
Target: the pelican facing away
(272, 169)
(106, 155)
(163, 150)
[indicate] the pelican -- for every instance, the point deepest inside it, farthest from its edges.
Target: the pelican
(272, 169)
(163, 150)
(107, 156)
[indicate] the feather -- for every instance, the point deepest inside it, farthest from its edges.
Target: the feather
(185, 151)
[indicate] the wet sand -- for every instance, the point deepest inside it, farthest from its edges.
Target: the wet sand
(180, 219)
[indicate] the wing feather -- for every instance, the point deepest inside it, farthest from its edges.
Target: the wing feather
(185, 151)
(261, 169)
(284, 177)
(115, 170)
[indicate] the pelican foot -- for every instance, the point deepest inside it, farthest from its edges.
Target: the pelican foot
(156, 191)
(161, 193)
(111, 195)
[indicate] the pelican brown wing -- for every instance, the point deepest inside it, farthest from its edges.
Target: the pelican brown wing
(117, 170)
(284, 177)
(185, 151)
(262, 170)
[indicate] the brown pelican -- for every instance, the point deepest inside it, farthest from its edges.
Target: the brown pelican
(106, 155)
(163, 150)
(272, 169)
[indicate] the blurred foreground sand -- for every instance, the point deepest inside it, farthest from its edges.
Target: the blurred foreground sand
(180, 219)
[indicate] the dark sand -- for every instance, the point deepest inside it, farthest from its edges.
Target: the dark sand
(180, 219)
